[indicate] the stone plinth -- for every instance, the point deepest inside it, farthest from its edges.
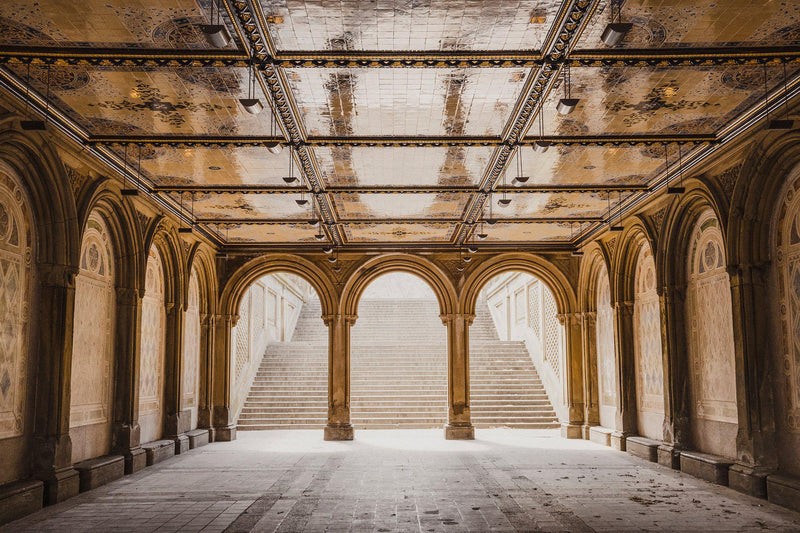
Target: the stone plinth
(99, 471)
(158, 450)
(19, 499)
(784, 490)
(712, 468)
(197, 438)
(600, 435)
(643, 447)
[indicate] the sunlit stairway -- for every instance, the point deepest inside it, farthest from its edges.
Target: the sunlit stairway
(398, 373)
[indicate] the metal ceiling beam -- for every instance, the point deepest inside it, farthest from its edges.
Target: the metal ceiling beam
(222, 222)
(122, 57)
(276, 189)
(404, 141)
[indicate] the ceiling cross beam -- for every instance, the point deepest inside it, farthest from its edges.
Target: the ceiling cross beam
(422, 189)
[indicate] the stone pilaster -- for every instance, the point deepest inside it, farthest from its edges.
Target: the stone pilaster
(676, 434)
(591, 395)
(222, 415)
(625, 374)
(52, 447)
(339, 426)
(126, 433)
(572, 379)
(204, 408)
(176, 422)
(755, 441)
(459, 421)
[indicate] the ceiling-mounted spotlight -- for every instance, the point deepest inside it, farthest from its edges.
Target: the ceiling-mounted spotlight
(615, 31)
(567, 104)
(251, 104)
(274, 147)
(216, 33)
(327, 249)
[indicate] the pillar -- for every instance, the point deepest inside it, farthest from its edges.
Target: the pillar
(572, 379)
(755, 441)
(676, 376)
(176, 422)
(625, 374)
(591, 395)
(52, 447)
(204, 407)
(459, 422)
(339, 426)
(222, 415)
(126, 433)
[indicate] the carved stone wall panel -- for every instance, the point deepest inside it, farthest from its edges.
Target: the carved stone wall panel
(191, 349)
(16, 262)
(153, 341)
(93, 345)
(710, 325)
(605, 350)
(647, 345)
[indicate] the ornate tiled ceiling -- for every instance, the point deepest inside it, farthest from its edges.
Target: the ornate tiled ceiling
(406, 118)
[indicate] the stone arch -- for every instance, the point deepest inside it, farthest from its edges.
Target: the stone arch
(377, 266)
(244, 276)
(637, 233)
(164, 237)
(595, 257)
(92, 373)
(547, 272)
(201, 259)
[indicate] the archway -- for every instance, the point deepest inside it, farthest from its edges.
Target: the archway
(279, 356)
(398, 356)
(517, 350)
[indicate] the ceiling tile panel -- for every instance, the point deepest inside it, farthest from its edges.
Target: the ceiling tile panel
(684, 23)
(154, 101)
(405, 101)
(266, 233)
(398, 205)
(648, 100)
(529, 232)
(105, 23)
(409, 24)
(429, 232)
(167, 166)
(402, 166)
(559, 205)
(249, 206)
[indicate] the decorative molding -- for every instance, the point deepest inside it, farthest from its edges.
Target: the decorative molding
(727, 179)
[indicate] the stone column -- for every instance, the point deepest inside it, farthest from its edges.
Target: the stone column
(176, 422)
(572, 378)
(339, 426)
(591, 395)
(755, 441)
(204, 404)
(459, 422)
(52, 447)
(126, 439)
(676, 376)
(224, 424)
(625, 374)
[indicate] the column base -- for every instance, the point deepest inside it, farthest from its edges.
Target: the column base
(587, 431)
(571, 431)
(135, 460)
(459, 432)
(669, 455)
(339, 432)
(618, 440)
(181, 444)
(749, 479)
(61, 485)
(225, 434)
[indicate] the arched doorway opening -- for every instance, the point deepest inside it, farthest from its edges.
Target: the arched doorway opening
(279, 356)
(398, 356)
(517, 354)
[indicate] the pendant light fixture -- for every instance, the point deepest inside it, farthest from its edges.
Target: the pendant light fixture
(251, 104)
(519, 179)
(504, 201)
(182, 228)
(615, 31)
(35, 125)
(678, 189)
(314, 220)
(334, 255)
(216, 33)
(327, 250)
(540, 145)
(291, 178)
(126, 191)
(567, 104)
(481, 233)
(777, 124)
(273, 146)
(491, 220)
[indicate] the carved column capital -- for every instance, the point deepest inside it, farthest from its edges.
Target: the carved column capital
(624, 308)
(128, 296)
(58, 275)
(448, 318)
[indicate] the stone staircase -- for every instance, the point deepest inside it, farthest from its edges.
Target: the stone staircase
(398, 373)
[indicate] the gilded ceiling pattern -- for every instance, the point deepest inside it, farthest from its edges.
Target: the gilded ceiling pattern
(401, 137)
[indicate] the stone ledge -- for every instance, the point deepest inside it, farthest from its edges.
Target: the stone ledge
(99, 471)
(197, 438)
(20, 498)
(571, 431)
(784, 490)
(748, 479)
(618, 440)
(158, 450)
(181, 444)
(669, 455)
(643, 447)
(600, 435)
(712, 468)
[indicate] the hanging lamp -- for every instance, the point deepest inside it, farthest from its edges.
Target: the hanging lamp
(615, 31)
(567, 104)
(781, 123)
(251, 104)
(678, 189)
(540, 145)
(216, 33)
(519, 179)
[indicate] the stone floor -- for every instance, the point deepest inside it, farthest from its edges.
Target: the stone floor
(409, 480)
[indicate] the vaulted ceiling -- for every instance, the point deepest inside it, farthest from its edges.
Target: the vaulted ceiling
(406, 121)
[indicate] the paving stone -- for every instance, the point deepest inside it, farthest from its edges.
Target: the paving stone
(410, 480)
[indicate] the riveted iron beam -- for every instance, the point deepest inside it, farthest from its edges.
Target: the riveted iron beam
(122, 57)
(276, 189)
